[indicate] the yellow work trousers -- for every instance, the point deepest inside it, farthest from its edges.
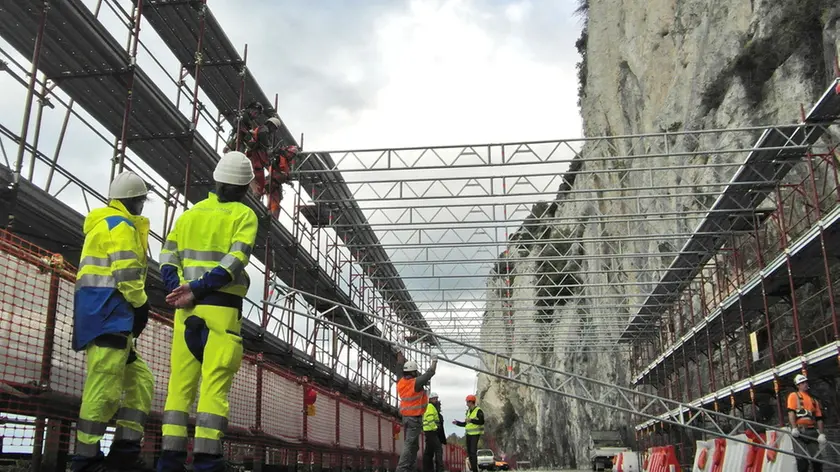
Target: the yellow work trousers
(109, 375)
(222, 359)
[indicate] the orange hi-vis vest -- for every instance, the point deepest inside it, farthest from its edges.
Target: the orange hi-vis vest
(411, 403)
(806, 408)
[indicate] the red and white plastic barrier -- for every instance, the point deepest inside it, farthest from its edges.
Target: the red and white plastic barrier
(661, 459)
(627, 461)
(726, 455)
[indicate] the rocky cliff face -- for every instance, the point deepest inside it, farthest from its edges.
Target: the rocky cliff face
(649, 66)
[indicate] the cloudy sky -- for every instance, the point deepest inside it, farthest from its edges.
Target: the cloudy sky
(378, 74)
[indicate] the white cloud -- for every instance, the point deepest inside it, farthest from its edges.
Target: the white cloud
(450, 79)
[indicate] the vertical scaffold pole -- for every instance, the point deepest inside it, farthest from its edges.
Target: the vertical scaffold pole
(243, 72)
(27, 110)
(42, 102)
(199, 59)
(134, 40)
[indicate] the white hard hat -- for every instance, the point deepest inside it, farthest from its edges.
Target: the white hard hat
(234, 168)
(433, 395)
(410, 366)
(799, 379)
(127, 185)
(275, 121)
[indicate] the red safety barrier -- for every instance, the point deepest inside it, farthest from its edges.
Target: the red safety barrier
(773, 439)
(718, 455)
(755, 454)
(655, 460)
(661, 459)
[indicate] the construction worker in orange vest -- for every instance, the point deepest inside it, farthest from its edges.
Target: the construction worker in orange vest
(806, 420)
(413, 401)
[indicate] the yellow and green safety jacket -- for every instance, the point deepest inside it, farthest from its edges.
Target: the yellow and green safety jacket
(472, 429)
(209, 248)
(111, 280)
(430, 418)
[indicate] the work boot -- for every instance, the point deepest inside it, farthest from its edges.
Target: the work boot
(212, 463)
(137, 465)
(91, 464)
(125, 457)
(172, 461)
(274, 208)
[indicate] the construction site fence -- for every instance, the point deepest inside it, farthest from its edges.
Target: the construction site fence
(270, 425)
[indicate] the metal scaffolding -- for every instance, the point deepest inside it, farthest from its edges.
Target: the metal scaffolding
(501, 253)
(170, 151)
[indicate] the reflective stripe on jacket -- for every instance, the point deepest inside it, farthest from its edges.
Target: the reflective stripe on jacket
(430, 418)
(111, 280)
(213, 234)
(411, 403)
(471, 428)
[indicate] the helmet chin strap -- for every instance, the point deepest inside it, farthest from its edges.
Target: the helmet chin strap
(134, 206)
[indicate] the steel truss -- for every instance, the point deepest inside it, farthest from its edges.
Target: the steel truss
(449, 216)
(593, 391)
(590, 272)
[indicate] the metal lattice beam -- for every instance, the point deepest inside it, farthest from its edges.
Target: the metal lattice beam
(599, 393)
(480, 236)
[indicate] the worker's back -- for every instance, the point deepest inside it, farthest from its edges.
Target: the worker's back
(214, 233)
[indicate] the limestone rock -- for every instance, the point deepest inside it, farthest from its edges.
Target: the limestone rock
(651, 66)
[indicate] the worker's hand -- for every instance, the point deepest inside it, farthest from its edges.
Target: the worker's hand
(794, 432)
(434, 359)
(822, 439)
(181, 297)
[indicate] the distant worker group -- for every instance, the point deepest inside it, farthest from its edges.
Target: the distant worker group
(421, 413)
(203, 267)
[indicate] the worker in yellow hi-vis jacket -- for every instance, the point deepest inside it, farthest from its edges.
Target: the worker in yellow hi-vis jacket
(111, 310)
(203, 266)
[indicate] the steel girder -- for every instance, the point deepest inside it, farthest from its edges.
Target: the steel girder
(599, 393)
